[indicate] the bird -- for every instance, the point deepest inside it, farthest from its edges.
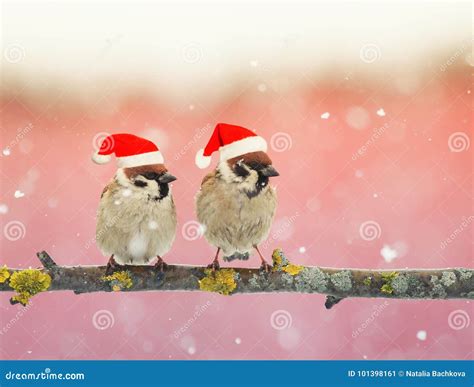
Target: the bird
(235, 204)
(136, 218)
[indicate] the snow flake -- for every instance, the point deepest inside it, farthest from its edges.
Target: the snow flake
(289, 338)
(152, 225)
(6, 152)
(3, 209)
(357, 118)
(52, 203)
(421, 335)
(238, 340)
(302, 249)
(191, 350)
(18, 194)
(126, 192)
(381, 112)
(325, 115)
(388, 253)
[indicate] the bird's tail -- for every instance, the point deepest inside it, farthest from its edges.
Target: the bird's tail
(236, 255)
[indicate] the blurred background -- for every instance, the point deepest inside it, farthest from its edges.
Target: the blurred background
(367, 109)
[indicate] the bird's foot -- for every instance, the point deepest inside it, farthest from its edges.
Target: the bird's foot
(111, 266)
(214, 265)
(160, 265)
(266, 267)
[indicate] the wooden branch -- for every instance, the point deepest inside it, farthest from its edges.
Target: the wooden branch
(337, 284)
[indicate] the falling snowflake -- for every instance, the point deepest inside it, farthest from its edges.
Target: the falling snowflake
(152, 225)
(289, 338)
(126, 192)
(421, 335)
(6, 152)
(18, 194)
(302, 249)
(52, 203)
(238, 340)
(3, 209)
(325, 115)
(381, 112)
(388, 253)
(357, 118)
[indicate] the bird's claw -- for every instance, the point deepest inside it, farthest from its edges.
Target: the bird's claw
(214, 265)
(160, 265)
(111, 266)
(267, 268)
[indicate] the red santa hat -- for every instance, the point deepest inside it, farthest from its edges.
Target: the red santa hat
(231, 141)
(130, 151)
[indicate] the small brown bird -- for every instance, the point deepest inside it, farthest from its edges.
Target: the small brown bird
(236, 204)
(136, 220)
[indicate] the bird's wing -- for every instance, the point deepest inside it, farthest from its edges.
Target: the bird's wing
(108, 188)
(209, 176)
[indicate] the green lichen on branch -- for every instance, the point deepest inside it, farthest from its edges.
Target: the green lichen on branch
(336, 283)
(281, 263)
(448, 278)
(279, 259)
(367, 281)
(388, 278)
(4, 274)
(342, 280)
(220, 281)
(28, 283)
(120, 280)
(292, 269)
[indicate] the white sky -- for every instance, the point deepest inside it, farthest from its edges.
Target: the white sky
(176, 45)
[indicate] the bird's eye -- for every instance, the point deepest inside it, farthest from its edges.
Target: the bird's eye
(240, 170)
(256, 166)
(150, 175)
(140, 183)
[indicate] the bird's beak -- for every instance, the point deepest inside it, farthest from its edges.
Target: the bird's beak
(270, 171)
(166, 178)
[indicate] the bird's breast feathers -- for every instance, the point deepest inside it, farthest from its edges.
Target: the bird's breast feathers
(131, 224)
(232, 219)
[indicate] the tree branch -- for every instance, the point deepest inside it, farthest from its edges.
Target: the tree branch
(337, 284)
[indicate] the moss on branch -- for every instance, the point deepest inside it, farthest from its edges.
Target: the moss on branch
(285, 276)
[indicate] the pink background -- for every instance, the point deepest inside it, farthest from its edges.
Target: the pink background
(408, 181)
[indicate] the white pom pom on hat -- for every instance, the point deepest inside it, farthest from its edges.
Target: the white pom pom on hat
(201, 160)
(101, 159)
